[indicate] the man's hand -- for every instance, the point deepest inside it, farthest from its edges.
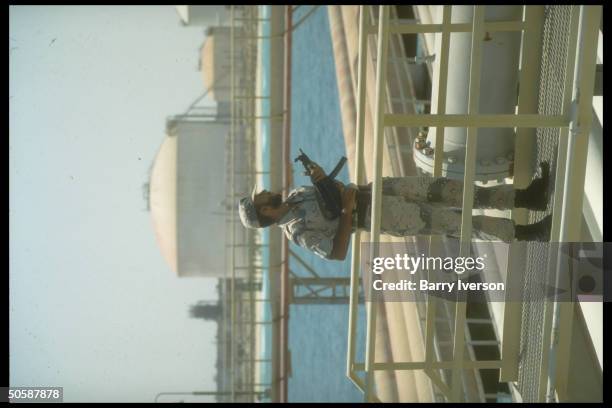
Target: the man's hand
(340, 186)
(317, 172)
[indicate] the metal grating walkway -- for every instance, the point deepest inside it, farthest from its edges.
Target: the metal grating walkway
(555, 42)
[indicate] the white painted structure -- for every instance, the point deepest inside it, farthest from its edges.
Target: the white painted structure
(203, 15)
(592, 207)
(188, 198)
(216, 62)
(498, 94)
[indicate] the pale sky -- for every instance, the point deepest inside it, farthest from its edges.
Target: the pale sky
(93, 306)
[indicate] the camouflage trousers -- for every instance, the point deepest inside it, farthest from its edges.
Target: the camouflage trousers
(423, 205)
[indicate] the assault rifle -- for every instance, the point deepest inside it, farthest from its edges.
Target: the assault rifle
(327, 189)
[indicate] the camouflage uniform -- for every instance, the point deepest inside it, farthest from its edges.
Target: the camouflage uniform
(419, 205)
(423, 205)
(305, 225)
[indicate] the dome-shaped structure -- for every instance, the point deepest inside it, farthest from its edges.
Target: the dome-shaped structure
(188, 198)
(216, 62)
(203, 15)
(162, 200)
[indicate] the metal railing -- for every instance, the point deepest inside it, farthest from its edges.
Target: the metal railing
(244, 45)
(578, 122)
(575, 157)
(243, 324)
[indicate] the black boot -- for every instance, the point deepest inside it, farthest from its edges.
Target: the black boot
(535, 197)
(540, 231)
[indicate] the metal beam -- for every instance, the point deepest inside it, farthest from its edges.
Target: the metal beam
(359, 176)
(468, 196)
(420, 365)
(308, 268)
(381, 71)
(477, 120)
(571, 229)
(455, 28)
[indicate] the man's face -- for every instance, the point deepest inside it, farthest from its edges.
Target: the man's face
(267, 198)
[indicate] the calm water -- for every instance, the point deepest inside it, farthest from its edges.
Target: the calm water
(317, 333)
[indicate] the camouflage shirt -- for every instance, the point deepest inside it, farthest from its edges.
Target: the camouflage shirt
(305, 224)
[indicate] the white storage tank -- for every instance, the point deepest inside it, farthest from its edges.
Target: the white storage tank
(188, 199)
(203, 15)
(216, 62)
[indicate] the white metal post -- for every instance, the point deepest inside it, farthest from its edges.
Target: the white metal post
(381, 70)
(432, 301)
(477, 120)
(468, 194)
(359, 177)
(523, 155)
(233, 224)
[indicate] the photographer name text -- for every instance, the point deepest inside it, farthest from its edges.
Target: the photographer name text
(424, 285)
